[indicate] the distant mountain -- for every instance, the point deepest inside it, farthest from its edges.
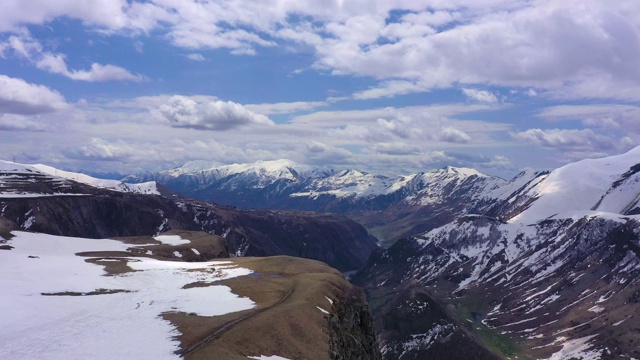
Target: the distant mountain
(19, 180)
(549, 269)
(391, 207)
(43, 199)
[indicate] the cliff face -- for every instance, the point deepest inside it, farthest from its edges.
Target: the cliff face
(352, 334)
(336, 240)
(104, 215)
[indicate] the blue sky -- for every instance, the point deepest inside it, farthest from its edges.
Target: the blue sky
(385, 86)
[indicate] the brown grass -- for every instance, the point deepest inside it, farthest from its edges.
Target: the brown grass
(293, 327)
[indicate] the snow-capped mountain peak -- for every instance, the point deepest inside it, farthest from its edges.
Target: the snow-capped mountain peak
(462, 171)
(607, 184)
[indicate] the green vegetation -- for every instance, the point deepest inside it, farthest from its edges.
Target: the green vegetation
(470, 313)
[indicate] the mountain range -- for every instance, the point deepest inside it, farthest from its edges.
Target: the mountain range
(543, 266)
(389, 207)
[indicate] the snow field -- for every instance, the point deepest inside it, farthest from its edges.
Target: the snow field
(126, 324)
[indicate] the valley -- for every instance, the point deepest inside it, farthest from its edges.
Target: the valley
(544, 266)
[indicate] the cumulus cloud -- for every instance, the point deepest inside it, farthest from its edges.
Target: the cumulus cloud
(389, 89)
(316, 147)
(55, 63)
(24, 46)
(572, 139)
(453, 135)
(498, 162)
(182, 111)
(98, 149)
(318, 153)
(520, 43)
(433, 44)
(480, 95)
(20, 97)
(105, 14)
(615, 117)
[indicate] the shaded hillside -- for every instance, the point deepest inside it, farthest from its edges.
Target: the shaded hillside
(38, 202)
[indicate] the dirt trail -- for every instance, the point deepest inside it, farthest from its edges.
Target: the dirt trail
(198, 345)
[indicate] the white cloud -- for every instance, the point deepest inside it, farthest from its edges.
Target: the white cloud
(182, 111)
(480, 95)
(498, 162)
(285, 108)
(102, 150)
(55, 63)
(107, 14)
(195, 57)
(138, 46)
(573, 139)
(12, 122)
(389, 89)
(619, 119)
(564, 49)
(24, 46)
(316, 147)
(20, 97)
(395, 148)
(453, 135)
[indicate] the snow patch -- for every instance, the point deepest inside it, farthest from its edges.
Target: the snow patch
(577, 349)
(322, 310)
(597, 309)
(172, 240)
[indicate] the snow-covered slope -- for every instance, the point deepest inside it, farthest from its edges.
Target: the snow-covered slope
(57, 305)
(149, 187)
(543, 286)
(609, 184)
(425, 188)
(20, 180)
(275, 169)
(25, 181)
(78, 298)
(547, 266)
(198, 176)
(299, 181)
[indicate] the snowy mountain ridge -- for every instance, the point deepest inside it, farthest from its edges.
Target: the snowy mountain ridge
(610, 184)
(21, 180)
(550, 269)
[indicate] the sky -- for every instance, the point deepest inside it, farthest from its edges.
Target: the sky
(377, 85)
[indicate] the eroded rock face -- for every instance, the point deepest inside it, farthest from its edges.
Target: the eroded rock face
(352, 334)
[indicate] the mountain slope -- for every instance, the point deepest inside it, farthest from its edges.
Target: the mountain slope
(99, 298)
(609, 184)
(554, 272)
